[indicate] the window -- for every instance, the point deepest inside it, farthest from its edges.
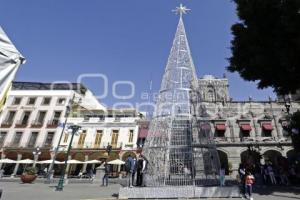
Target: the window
(220, 133)
(2, 137)
(31, 101)
(32, 139)
(49, 139)
(25, 117)
(56, 117)
(46, 101)
(267, 129)
(66, 138)
(82, 138)
(98, 138)
(114, 138)
(10, 117)
(61, 101)
(17, 101)
(41, 117)
(245, 129)
(220, 129)
(130, 140)
(17, 139)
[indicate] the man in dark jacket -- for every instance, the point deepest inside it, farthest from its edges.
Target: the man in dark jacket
(141, 168)
(130, 165)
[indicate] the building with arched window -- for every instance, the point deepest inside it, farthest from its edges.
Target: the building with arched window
(244, 131)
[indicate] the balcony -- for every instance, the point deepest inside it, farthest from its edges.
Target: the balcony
(36, 124)
(265, 139)
(52, 123)
(12, 145)
(114, 146)
(117, 119)
(221, 139)
(6, 124)
(47, 145)
(21, 124)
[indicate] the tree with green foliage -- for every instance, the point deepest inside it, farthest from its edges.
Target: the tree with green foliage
(266, 43)
(266, 48)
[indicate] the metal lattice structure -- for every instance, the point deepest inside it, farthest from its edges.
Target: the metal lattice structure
(179, 147)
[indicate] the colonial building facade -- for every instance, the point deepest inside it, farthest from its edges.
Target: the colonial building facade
(244, 131)
(34, 115)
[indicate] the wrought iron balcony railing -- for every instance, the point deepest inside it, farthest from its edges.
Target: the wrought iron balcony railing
(36, 124)
(21, 124)
(6, 124)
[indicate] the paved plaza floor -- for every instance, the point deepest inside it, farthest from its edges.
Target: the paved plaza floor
(88, 191)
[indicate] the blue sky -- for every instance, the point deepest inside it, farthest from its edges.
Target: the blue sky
(126, 40)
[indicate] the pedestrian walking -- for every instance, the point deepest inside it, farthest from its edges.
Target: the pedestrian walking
(249, 180)
(222, 176)
(105, 175)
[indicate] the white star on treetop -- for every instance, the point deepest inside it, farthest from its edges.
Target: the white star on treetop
(181, 10)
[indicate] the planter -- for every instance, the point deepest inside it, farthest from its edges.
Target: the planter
(26, 178)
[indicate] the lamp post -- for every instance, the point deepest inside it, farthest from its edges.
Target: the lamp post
(60, 186)
(56, 149)
(36, 154)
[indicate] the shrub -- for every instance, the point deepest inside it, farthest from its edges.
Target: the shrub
(30, 171)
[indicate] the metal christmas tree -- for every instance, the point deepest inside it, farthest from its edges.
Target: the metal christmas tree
(179, 146)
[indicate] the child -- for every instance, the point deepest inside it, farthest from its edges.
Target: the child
(249, 180)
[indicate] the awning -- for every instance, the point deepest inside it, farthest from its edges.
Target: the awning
(220, 127)
(143, 133)
(116, 162)
(245, 127)
(267, 126)
(25, 161)
(6, 160)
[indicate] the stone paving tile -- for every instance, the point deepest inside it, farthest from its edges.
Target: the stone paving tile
(40, 191)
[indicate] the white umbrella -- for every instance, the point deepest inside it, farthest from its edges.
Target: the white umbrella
(74, 162)
(49, 162)
(93, 162)
(116, 162)
(6, 160)
(10, 60)
(25, 161)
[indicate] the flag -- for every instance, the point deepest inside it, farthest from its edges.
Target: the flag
(10, 60)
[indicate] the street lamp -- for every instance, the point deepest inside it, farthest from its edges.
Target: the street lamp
(74, 129)
(56, 149)
(36, 154)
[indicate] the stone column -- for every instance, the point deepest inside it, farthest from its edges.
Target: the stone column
(255, 124)
(277, 128)
(2, 157)
(51, 168)
(86, 158)
(235, 161)
(68, 168)
(231, 131)
(17, 165)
